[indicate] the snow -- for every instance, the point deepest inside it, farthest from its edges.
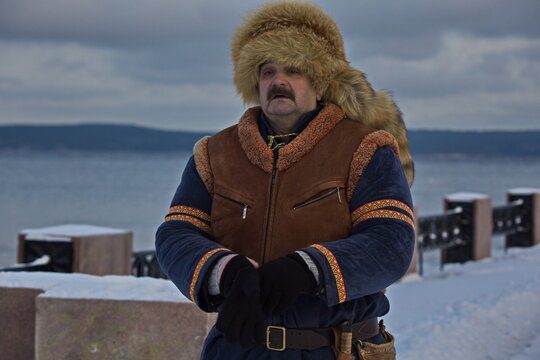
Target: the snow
(65, 232)
(43, 260)
(488, 309)
(465, 196)
(82, 286)
(524, 191)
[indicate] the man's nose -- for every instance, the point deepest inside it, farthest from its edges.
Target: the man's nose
(280, 79)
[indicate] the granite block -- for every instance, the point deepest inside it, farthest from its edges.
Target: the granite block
(69, 328)
(17, 319)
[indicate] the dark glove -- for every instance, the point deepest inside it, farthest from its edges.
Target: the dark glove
(241, 319)
(282, 281)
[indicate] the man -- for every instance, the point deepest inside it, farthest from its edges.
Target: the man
(293, 222)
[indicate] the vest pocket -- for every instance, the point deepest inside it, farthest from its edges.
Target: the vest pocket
(242, 206)
(336, 191)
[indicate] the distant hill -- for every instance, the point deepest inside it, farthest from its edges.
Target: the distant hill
(133, 138)
(96, 138)
(510, 143)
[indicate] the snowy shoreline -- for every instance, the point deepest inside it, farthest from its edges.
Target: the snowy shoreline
(488, 309)
(82, 286)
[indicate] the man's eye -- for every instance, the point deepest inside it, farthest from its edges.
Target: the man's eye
(267, 72)
(294, 71)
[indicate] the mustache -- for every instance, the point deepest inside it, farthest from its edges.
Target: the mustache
(280, 91)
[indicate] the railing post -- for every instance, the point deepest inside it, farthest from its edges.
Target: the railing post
(413, 267)
(531, 219)
(476, 227)
(79, 248)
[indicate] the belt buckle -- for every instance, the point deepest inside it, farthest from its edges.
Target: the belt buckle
(269, 329)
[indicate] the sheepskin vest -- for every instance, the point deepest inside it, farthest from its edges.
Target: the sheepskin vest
(264, 207)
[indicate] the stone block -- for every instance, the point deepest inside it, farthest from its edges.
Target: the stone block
(93, 250)
(68, 328)
(477, 229)
(414, 261)
(531, 220)
(17, 319)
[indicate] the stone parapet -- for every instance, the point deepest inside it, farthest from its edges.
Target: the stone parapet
(17, 319)
(119, 329)
(83, 249)
(531, 199)
(414, 261)
(78, 316)
(477, 233)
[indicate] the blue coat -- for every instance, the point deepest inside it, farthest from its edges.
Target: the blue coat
(354, 270)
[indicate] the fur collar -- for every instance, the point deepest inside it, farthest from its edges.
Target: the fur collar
(261, 156)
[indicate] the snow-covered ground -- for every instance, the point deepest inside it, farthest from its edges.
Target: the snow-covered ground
(82, 286)
(479, 310)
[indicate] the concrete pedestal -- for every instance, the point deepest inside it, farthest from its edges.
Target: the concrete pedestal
(414, 261)
(477, 230)
(119, 329)
(17, 319)
(85, 249)
(77, 316)
(531, 236)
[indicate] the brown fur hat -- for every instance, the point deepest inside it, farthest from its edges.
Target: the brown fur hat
(300, 34)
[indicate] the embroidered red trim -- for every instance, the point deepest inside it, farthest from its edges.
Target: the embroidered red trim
(190, 219)
(182, 209)
(332, 261)
(375, 205)
(198, 269)
(388, 214)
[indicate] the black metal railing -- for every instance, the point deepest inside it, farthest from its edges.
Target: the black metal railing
(40, 264)
(450, 232)
(144, 263)
(452, 229)
(439, 231)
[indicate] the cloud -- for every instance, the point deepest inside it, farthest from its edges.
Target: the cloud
(166, 63)
(471, 82)
(462, 64)
(118, 22)
(478, 110)
(411, 28)
(72, 83)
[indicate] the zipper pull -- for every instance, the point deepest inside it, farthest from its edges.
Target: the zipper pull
(338, 195)
(244, 212)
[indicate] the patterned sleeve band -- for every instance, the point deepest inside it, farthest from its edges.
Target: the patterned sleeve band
(336, 271)
(191, 215)
(379, 209)
(181, 209)
(198, 269)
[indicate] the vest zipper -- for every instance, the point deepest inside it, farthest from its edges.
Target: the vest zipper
(269, 210)
(246, 206)
(318, 198)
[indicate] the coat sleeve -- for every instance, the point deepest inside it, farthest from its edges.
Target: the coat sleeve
(185, 247)
(379, 250)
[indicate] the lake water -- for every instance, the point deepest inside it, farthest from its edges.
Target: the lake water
(132, 191)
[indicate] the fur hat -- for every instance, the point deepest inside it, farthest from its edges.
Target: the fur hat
(300, 34)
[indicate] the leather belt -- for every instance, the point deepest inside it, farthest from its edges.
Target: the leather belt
(279, 338)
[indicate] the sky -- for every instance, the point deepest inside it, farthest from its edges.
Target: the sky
(462, 64)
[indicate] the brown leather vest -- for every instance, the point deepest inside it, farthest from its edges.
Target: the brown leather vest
(265, 209)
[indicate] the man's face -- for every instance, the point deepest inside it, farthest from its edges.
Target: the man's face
(285, 92)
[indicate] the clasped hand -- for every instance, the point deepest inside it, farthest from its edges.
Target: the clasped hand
(252, 295)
